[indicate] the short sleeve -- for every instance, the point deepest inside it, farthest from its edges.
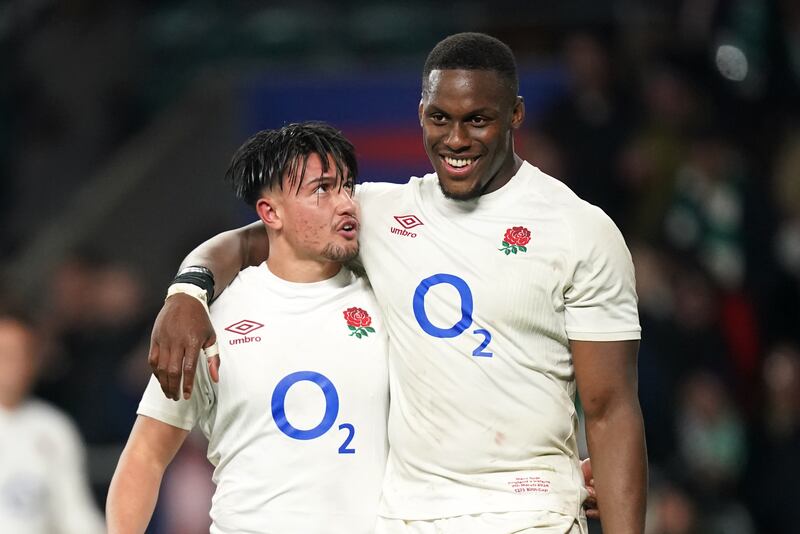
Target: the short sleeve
(600, 291)
(182, 413)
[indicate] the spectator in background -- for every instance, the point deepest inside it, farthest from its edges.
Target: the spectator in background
(774, 462)
(675, 509)
(591, 121)
(672, 510)
(649, 160)
(694, 340)
(706, 219)
(711, 434)
(784, 291)
(711, 452)
(43, 485)
(706, 211)
(96, 317)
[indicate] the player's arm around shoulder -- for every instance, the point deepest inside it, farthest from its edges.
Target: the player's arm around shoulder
(134, 488)
(182, 327)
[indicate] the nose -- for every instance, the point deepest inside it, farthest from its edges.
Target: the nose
(346, 203)
(457, 138)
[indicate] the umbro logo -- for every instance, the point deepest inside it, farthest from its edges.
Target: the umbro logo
(407, 222)
(244, 327)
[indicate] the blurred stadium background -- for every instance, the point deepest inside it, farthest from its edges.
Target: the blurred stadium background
(680, 118)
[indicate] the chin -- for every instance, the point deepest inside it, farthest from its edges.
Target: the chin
(460, 194)
(340, 253)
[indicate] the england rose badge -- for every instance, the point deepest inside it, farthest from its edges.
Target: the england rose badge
(515, 240)
(358, 321)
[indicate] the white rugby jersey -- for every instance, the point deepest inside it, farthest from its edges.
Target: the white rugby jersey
(480, 300)
(297, 423)
(43, 483)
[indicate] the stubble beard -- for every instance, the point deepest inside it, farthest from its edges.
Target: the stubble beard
(339, 253)
(470, 194)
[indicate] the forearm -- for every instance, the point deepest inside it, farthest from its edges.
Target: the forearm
(229, 252)
(134, 488)
(619, 462)
(133, 494)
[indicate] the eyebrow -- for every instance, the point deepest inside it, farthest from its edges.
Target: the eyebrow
(327, 178)
(480, 111)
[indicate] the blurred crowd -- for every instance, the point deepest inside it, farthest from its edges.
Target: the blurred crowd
(699, 165)
(685, 129)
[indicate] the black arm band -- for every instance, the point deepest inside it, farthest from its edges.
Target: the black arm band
(199, 276)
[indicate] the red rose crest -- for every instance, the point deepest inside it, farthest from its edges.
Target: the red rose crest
(515, 240)
(358, 321)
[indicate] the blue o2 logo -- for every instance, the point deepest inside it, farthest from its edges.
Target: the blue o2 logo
(466, 305)
(331, 409)
(463, 322)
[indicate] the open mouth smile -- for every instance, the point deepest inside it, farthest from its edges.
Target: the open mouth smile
(460, 165)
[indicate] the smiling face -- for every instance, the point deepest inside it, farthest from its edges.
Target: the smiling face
(467, 118)
(312, 220)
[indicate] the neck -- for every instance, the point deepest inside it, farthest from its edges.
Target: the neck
(10, 402)
(504, 175)
(291, 268)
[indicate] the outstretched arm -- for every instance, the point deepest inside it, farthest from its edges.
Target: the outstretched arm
(182, 327)
(134, 488)
(606, 374)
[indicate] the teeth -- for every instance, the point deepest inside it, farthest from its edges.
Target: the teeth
(453, 162)
(347, 227)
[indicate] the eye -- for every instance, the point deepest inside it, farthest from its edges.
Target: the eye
(350, 187)
(438, 118)
(479, 121)
(322, 187)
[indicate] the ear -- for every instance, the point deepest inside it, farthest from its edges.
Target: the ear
(268, 209)
(419, 112)
(518, 113)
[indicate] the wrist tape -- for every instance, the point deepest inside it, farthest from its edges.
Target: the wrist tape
(198, 276)
(189, 289)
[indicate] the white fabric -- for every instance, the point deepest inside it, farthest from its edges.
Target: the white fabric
(469, 432)
(537, 522)
(43, 484)
(266, 480)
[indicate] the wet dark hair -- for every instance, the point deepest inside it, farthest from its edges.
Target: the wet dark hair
(264, 159)
(473, 51)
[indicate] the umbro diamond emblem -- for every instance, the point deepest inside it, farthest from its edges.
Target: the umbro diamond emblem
(244, 327)
(407, 222)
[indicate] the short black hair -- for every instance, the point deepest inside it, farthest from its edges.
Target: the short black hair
(263, 160)
(473, 51)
